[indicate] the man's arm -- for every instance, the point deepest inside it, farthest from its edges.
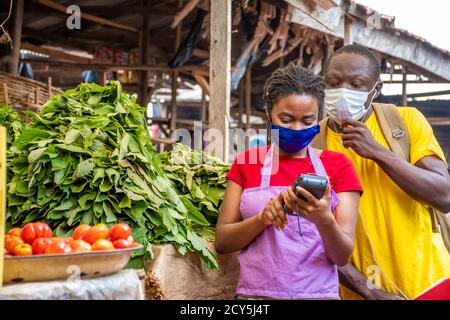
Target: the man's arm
(351, 278)
(428, 181)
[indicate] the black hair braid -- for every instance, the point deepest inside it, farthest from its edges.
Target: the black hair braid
(293, 79)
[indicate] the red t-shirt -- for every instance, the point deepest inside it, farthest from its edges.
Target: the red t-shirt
(246, 170)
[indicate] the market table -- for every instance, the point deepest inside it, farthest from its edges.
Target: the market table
(123, 285)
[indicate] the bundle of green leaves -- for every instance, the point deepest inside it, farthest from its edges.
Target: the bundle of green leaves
(87, 158)
(200, 179)
(11, 120)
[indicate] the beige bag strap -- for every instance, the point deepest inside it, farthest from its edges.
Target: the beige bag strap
(320, 140)
(394, 129)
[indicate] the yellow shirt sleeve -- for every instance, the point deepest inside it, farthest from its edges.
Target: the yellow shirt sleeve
(423, 141)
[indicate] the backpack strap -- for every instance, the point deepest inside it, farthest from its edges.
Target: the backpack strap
(320, 140)
(394, 129)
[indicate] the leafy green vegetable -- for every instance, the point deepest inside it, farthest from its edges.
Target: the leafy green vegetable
(87, 158)
(11, 120)
(200, 179)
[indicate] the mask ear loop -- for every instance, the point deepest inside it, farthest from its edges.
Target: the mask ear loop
(374, 87)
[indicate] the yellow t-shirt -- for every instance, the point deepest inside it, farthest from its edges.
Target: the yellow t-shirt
(407, 251)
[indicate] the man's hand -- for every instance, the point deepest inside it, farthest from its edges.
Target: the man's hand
(357, 136)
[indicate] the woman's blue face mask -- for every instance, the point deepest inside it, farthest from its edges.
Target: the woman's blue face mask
(292, 141)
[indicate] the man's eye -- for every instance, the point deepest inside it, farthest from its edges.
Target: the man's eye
(285, 121)
(357, 85)
(334, 84)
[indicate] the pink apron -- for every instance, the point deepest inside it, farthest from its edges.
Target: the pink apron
(285, 264)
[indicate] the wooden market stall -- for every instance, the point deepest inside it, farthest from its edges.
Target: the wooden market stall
(226, 49)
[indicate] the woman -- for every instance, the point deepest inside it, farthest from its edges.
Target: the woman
(284, 256)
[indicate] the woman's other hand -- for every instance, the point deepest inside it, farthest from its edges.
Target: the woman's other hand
(274, 214)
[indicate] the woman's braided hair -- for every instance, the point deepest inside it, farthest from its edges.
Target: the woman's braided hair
(293, 79)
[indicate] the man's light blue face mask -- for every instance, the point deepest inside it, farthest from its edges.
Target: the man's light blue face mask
(342, 103)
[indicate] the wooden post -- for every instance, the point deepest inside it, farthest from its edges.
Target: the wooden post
(347, 33)
(16, 36)
(203, 108)
(248, 98)
(219, 70)
(49, 84)
(241, 104)
(404, 82)
(143, 57)
(105, 79)
(174, 115)
(6, 93)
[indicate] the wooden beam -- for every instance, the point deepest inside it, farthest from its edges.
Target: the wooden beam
(202, 82)
(248, 98)
(113, 67)
(16, 36)
(129, 9)
(325, 4)
(347, 32)
(219, 71)
(199, 53)
(55, 53)
(439, 121)
(61, 8)
(53, 39)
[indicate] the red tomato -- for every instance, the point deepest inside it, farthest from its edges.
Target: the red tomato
(67, 240)
(120, 231)
(11, 242)
(99, 231)
(80, 246)
(32, 231)
(122, 244)
(57, 247)
(15, 232)
(102, 244)
(40, 245)
(80, 231)
(23, 249)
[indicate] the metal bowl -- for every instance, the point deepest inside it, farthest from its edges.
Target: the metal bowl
(69, 266)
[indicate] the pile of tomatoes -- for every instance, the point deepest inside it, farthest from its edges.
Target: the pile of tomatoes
(37, 238)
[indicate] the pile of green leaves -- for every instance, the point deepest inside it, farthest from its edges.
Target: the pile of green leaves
(11, 120)
(87, 158)
(200, 179)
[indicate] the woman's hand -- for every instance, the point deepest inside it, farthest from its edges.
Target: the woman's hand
(273, 213)
(315, 210)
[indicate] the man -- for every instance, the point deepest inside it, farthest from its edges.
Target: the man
(396, 255)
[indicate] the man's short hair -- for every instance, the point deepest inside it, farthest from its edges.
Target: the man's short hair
(360, 51)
